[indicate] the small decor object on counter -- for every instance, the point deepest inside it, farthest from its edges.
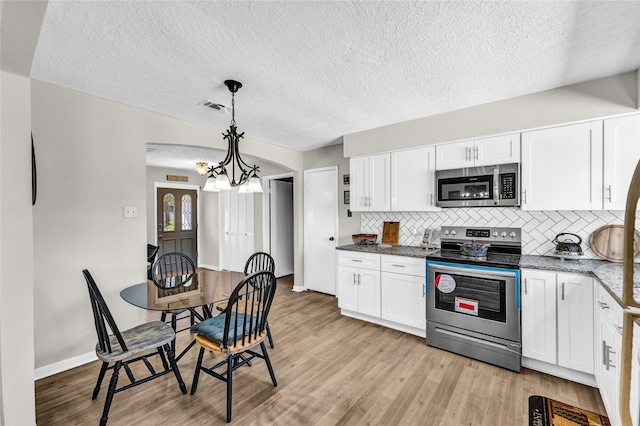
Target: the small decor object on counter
(364, 239)
(391, 233)
(607, 242)
(474, 248)
(566, 246)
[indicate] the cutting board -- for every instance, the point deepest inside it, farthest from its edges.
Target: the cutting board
(391, 233)
(607, 242)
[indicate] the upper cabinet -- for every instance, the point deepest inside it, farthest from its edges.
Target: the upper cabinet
(370, 177)
(562, 168)
(621, 154)
(480, 152)
(413, 179)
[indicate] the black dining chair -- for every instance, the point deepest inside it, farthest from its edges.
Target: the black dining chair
(259, 261)
(237, 331)
(121, 349)
(152, 251)
(173, 273)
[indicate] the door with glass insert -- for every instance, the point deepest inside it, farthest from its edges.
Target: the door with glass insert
(177, 221)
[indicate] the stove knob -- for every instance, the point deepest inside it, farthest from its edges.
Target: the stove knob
(495, 233)
(512, 234)
(453, 232)
(446, 232)
(504, 234)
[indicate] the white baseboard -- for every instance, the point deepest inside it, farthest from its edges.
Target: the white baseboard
(214, 268)
(562, 372)
(299, 288)
(64, 365)
(386, 323)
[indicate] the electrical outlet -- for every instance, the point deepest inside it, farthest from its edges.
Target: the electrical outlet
(130, 212)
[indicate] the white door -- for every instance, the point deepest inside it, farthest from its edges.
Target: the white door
(380, 182)
(359, 186)
(497, 150)
(413, 180)
(236, 229)
(454, 155)
(539, 315)
(281, 226)
(320, 229)
(621, 155)
(403, 299)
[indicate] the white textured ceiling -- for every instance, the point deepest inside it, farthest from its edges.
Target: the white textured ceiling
(314, 71)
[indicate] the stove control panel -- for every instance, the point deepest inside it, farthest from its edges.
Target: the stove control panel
(487, 234)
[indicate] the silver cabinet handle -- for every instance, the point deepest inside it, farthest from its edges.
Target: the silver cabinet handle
(524, 196)
(476, 149)
(604, 353)
(431, 198)
(609, 363)
(358, 279)
(609, 189)
(356, 260)
(397, 265)
(603, 305)
(468, 150)
(424, 290)
(562, 291)
(354, 279)
(525, 286)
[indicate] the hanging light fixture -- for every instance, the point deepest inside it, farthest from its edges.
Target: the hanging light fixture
(201, 167)
(233, 171)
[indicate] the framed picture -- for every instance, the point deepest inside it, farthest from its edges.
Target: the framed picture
(345, 180)
(347, 197)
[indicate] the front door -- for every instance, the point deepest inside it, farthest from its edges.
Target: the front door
(178, 221)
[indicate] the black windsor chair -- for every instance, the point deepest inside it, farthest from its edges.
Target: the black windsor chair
(120, 349)
(237, 331)
(152, 251)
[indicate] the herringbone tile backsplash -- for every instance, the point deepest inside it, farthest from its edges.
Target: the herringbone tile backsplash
(539, 228)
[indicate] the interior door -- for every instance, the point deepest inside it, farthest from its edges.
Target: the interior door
(178, 221)
(236, 229)
(281, 225)
(320, 229)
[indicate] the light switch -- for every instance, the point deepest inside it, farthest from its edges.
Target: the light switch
(130, 212)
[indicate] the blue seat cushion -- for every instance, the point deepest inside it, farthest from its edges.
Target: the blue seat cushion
(213, 328)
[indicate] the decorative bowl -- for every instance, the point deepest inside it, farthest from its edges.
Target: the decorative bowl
(364, 239)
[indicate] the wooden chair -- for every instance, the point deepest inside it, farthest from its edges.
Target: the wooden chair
(120, 349)
(173, 272)
(235, 333)
(259, 261)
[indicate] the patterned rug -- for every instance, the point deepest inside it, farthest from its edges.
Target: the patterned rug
(548, 412)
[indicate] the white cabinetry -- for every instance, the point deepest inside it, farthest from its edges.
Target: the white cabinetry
(562, 168)
(413, 180)
(403, 291)
(480, 152)
(359, 282)
(557, 322)
(370, 178)
(621, 155)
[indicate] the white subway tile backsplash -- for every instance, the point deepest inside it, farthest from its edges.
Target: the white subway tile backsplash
(538, 228)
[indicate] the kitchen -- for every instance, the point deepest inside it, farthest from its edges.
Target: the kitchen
(107, 144)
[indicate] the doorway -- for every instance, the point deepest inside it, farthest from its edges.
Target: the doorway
(177, 221)
(277, 232)
(320, 229)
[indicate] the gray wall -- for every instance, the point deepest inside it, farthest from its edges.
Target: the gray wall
(333, 156)
(584, 101)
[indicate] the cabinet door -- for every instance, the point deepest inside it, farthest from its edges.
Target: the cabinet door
(403, 299)
(575, 322)
(610, 347)
(538, 315)
(497, 150)
(454, 155)
(359, 183)
(380, 182)
(562, 168)
(348, 288)
(413, 180)
(621, 155)
(369, 292)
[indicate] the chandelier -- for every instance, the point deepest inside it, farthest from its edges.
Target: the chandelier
(233, 171)
(202, 167)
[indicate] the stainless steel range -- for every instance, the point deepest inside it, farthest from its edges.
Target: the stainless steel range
(473, 302)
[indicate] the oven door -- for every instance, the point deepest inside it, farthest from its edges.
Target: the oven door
(466, 191)
(481, 299)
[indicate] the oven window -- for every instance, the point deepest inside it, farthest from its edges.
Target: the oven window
(466, 188)
(481, 297)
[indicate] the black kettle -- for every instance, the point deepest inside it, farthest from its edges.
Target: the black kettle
(567, 245)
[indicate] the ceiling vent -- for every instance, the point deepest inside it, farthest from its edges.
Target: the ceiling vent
(214, 105)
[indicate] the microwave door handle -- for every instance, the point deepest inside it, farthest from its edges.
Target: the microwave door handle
(496, 177)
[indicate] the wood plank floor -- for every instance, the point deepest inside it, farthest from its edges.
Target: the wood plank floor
(331, 370)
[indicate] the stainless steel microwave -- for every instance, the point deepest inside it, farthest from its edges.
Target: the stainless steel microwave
(490, 186)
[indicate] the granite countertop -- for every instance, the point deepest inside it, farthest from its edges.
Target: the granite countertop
(608, 273)
(410, 251)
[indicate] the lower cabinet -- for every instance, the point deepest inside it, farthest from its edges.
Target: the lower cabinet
(385, 289)
(558, 322)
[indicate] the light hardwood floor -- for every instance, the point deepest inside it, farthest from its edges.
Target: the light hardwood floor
(331, 370)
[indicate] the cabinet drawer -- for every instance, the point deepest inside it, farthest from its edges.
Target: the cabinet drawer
(404, 265)
(610, 309)
(359, 260)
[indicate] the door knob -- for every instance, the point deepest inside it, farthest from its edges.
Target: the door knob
(331, 239)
